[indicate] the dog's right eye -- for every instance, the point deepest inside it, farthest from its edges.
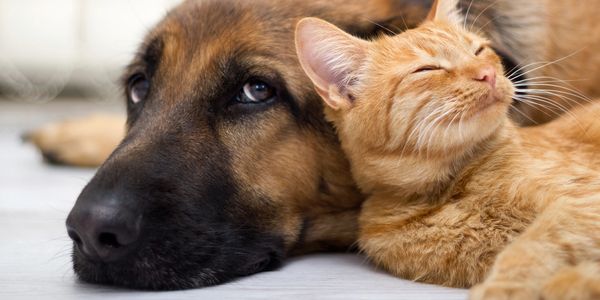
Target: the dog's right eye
(138, 88)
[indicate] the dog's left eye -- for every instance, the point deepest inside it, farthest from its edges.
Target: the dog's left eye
(255, 91)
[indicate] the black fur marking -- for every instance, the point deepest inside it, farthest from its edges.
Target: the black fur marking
(191, 235)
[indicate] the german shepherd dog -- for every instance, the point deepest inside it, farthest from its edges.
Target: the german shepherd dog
(228, 165)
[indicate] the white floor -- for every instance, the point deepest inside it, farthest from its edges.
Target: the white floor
(34, 248)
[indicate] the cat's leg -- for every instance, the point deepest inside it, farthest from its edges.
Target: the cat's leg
(581, 282)
(438, 244)
(566, 234)
(85, 142)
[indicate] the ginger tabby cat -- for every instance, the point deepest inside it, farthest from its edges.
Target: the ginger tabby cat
(458, 194)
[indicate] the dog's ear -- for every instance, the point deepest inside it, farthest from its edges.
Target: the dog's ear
(446, 10)
(330, 57)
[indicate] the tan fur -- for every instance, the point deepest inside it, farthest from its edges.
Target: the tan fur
(457, 192)
(87, 141)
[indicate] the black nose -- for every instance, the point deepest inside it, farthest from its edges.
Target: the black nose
(104, 231)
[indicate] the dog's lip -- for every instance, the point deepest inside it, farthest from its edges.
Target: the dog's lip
(134, 273)
(262, 263)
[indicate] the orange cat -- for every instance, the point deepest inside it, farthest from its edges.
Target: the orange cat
(457, 193)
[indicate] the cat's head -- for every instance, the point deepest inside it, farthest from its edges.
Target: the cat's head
(432, 90)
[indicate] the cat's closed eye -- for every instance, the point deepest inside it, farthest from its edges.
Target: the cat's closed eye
(480, 50)
(427, 68)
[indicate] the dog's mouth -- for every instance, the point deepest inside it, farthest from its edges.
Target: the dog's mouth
(150, 270)
(182, 254)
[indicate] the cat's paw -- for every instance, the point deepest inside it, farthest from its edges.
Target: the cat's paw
(503, 291)
(580, 282)
(85, 142)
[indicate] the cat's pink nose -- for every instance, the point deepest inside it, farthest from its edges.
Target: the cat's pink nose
(487, 74)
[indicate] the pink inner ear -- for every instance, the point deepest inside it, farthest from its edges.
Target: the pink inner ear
(315, 49)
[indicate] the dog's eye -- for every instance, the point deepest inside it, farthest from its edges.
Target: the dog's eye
(138, 88)
(255, 91)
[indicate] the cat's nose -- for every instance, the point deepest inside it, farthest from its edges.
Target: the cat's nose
(486, 74)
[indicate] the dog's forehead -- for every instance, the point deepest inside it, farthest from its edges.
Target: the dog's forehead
(208, 47)
(204, 37)
(227, 24)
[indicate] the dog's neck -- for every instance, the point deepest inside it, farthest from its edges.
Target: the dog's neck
(331, 219)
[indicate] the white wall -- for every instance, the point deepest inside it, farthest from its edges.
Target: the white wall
(47, 44)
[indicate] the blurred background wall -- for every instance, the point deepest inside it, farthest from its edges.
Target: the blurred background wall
(51, 48)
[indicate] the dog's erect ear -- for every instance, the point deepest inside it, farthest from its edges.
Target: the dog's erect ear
(330, 57)
(446, 10)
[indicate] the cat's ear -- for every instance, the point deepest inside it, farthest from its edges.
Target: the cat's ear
(330, 57)
(446, 10)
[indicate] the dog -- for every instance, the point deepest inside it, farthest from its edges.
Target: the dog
(227, 165)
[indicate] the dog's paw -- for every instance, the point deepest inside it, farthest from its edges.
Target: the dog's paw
(83, 142)
(503, 291)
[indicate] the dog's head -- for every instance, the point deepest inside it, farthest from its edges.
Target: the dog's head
(228, 164)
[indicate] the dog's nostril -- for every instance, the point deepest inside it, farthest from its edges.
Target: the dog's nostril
(75, 237)
(109, 240)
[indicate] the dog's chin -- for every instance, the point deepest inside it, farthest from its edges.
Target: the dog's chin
(151, 271)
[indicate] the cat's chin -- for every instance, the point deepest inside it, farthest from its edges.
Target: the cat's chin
(490, 108)
(483, 120)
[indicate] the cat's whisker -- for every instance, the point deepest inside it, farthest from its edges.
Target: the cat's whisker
(525, 115)
(552, 62)
(559, 94)
(542, 79)
(450, 124)
(551, 79)
(561, 108)
(482, 27)
(527, 85)
(460, 131)
(514, 72)
(438, 122)
(417, 128)
(544, 100)
(531, 102)
(563, 95)
(404, 22)
(467, 15)
(481, 13)
(563, 90)
(423, 132)
(381, 26)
